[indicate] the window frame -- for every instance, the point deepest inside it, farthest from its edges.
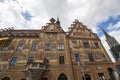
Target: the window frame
(13, 61)
(74, 43)
(5, 48)
(30, 60)
(91, 58)
(48, 46)
(77, 57)
(60, 46)
(101, 76)
(86, 44)
(34, 47)
(103, 57)
(96, 45)
(19, 47)
(61, 60)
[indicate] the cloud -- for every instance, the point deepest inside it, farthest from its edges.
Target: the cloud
(114, 27)
(27, 16)
(89, 12)
(19, 13)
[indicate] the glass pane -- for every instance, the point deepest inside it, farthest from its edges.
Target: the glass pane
(77, 57)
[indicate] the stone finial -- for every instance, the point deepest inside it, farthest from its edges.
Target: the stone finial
(76, 20)
(52, 20)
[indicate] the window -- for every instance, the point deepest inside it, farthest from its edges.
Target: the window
(103, 57)
(77, 58)
(60, 46)
(86, 44)
(34, 46)
(13, 61)
(62, 77)
(48, 46)
(74, 43)
(30, 60)
(5, 48)
(46, 60)
(90, 55)
(96, 45)
(20, 47)
(61, 59)
(101, 76)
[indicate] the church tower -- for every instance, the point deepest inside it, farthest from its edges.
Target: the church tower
(113, 44)
(114, 47)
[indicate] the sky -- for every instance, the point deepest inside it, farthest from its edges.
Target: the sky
(33, 14)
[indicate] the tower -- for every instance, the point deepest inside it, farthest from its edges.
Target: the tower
(113, 44)
(114, 48)
(58, 22)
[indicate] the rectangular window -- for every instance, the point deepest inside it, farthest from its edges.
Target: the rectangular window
(20, 47)
(103, 57)
(61, 59)
(60, 46)
(77, 58)
(30, 60)
(90, 55)
(86, 44)
(5, 48)
(101, 76)
(13, 61)
(96, 45)
(74, 43)
(48, 46)
(46, 60)
(34, 46)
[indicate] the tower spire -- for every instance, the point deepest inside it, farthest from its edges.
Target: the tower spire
(105, 33)
(58, 22)
(112, 42)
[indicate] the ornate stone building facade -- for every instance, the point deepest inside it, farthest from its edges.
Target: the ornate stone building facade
(53, 54)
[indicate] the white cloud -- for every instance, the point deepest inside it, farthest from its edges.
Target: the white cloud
(115, 26)
(90, 12)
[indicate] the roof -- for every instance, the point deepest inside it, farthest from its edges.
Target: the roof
(8, 33)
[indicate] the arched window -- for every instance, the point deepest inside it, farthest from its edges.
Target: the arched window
(86, 77)
(111, 73)
(62, 77)
(6, 78)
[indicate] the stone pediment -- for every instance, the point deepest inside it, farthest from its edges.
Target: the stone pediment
(80, 30)
(52, 27)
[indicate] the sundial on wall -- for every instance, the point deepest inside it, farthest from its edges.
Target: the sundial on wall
(53, 37)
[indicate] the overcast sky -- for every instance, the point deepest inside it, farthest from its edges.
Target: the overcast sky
(33, 14)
